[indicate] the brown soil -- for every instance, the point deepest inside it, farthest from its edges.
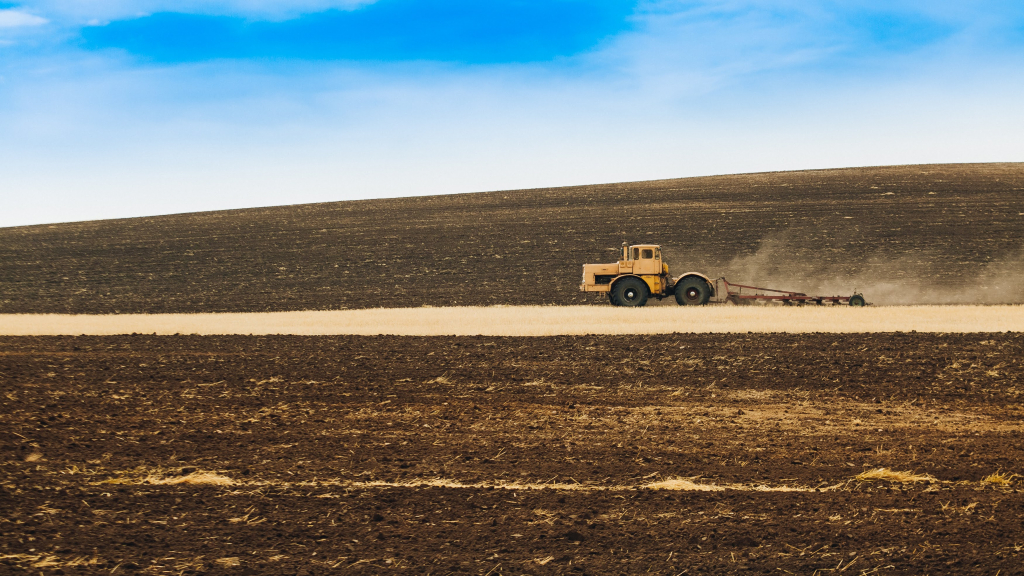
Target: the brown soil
(922, 228)
(304, 426)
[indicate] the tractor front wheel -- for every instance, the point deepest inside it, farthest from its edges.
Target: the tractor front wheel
(629, 292)
(692, 292)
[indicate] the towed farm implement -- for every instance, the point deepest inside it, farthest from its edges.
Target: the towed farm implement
(642, 274)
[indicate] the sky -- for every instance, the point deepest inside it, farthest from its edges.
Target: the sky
(120, 108)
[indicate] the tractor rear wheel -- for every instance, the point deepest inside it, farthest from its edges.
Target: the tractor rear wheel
(629, 292)
(857, 300)
(692, 292)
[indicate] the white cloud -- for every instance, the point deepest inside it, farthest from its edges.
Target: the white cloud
(99, 141)
(18, 19)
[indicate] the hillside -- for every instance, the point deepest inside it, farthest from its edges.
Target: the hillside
(907, 234)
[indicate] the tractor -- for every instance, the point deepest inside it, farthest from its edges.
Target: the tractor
(641, 273)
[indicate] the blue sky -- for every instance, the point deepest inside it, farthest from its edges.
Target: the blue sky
(114, 108)
(464, 31)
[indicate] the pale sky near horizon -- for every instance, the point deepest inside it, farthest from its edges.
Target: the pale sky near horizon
(118, 108)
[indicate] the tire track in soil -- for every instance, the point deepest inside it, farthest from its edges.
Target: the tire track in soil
(306, 426)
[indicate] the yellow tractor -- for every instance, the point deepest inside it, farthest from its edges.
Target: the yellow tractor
(641, 274)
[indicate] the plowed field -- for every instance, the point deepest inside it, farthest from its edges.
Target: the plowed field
(934, 234)
(485, 455)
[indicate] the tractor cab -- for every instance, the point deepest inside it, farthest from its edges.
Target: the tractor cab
(641, 259)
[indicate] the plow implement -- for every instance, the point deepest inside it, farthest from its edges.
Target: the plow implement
(726, 291)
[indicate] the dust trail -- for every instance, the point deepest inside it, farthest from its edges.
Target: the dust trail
(783, 261)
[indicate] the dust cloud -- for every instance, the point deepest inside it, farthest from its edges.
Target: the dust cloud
(782, 261)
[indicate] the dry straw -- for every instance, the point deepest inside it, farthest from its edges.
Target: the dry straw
(999, 479)
(683, 484)
(535, 321)
(885, 474)
(196, 478)
(49, 560)
(142, 476)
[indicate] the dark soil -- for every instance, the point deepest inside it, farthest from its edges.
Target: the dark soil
(303, 424)
(915, 229)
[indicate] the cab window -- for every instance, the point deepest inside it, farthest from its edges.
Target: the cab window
(636, 253)
(648, 253)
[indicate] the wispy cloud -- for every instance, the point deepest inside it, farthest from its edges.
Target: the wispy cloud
(10, 18)
(108, 10)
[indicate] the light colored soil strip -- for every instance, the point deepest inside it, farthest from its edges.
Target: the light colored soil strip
(689, 485)
(677, 485)
(214, 479)
(877, 475)
(535, 321)
(672, 484)
(140, 476)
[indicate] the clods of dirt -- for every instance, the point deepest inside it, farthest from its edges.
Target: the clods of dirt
(884, 453)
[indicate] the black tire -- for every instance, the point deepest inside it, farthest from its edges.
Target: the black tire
(857, 300)
(630, 292)
(692, 291)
